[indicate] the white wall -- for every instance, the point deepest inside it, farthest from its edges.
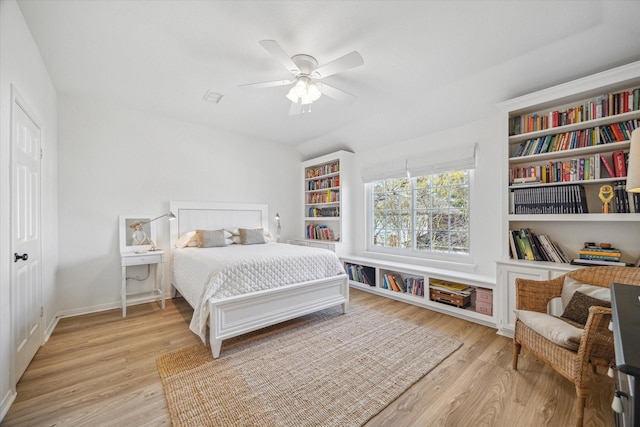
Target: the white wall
(116, 161)
(485, 195)
(22, 66)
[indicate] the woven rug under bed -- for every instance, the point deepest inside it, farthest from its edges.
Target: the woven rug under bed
(324, 369)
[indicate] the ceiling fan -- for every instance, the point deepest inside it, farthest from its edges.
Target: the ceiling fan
(305, 71)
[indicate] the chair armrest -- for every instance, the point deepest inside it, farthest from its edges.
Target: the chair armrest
(597, 339)
(534, 295)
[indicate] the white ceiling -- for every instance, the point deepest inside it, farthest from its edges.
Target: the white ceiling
(429, 65)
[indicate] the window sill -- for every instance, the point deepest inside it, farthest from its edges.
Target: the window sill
(450, 265)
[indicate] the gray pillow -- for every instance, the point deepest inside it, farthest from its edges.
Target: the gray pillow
(210, 238)
(252, 236)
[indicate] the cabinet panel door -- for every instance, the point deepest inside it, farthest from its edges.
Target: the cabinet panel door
(508, 275)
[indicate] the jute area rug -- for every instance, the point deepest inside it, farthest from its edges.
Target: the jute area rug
(324, 369)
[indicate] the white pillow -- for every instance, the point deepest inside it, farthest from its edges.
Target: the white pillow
(187, 239)
(570, 286)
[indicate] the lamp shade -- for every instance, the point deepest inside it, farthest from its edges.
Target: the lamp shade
(633, 171)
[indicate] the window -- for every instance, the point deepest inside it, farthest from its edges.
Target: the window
(425, 215)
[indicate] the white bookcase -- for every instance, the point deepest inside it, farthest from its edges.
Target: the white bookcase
(581, 102)
(328, 202)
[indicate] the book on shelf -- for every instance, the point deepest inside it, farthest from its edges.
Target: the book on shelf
(451, 287)
(607, 165)
(619, 167)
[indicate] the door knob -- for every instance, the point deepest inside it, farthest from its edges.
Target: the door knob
(23, 257)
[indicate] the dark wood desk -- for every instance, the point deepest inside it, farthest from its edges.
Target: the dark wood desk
(625, 306)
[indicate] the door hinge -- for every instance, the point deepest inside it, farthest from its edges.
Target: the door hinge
(41, 311)
(41, 154)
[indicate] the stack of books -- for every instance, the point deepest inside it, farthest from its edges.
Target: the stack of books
(594, 255)
(451, 287)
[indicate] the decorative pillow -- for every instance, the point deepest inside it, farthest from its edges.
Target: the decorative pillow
(552, 328)
(268, 237)
(578, 308)
(210, 238)
(572, 285)
(187, 239)
(252, 236)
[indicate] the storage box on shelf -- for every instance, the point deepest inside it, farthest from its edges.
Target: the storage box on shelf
(564, 152)
(413, 284)
(327, 205)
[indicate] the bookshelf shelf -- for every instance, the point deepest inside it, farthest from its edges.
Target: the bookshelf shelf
(600, 110)
(589, 217)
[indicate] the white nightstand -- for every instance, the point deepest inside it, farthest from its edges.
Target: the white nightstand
(142, 258)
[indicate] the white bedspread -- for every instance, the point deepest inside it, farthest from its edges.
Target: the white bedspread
(203, 273)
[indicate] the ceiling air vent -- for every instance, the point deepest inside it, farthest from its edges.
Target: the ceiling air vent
(213, 97)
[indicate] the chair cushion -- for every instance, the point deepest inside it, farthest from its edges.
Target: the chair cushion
(552, 328)
(578, 308)
(571, 285)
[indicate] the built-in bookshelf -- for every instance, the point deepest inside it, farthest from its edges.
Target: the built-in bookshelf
(327, 204)
(565, 149)
(459, 294)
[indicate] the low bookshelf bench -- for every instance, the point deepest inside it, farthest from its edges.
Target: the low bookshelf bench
(467, 296)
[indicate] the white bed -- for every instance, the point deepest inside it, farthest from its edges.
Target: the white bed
(309, 282)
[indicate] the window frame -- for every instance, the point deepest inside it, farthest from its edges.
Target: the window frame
(465, 258)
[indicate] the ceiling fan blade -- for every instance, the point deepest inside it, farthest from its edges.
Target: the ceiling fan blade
(337, 94)
(268, 84)
(350, 60)
(274, 49)
(296, 108)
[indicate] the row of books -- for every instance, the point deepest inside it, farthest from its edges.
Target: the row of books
(323, 212)
(323, 170)
(319, 232)
(578, 169)
(624, 202)
(330, 196)
(361, 273)
(524, 244)
(556, 199)
(606, 105)
(451, 287)
(581, 138)
(410, 285)
(323, 184)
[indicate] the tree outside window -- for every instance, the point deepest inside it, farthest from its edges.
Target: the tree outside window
(426, 214)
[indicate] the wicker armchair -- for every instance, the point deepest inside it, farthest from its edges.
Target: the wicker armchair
(596, 343)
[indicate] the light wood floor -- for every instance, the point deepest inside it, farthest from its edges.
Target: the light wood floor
(99, 370)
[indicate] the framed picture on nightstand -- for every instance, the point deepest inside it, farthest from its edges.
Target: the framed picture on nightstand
(136, 233)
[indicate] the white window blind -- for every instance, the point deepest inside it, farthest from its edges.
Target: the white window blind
(446, 160)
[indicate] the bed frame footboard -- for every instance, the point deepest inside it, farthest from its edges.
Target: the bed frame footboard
(233, 316)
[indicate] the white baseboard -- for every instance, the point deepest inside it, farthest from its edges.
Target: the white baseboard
(7, 401)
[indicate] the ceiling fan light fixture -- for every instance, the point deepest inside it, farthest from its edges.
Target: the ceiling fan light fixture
(313, 92)
(304, 92)
(292, 95)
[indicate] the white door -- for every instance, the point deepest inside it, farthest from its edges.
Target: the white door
(26, 278)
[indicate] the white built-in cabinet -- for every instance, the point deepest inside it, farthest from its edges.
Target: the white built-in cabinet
(531, 118)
